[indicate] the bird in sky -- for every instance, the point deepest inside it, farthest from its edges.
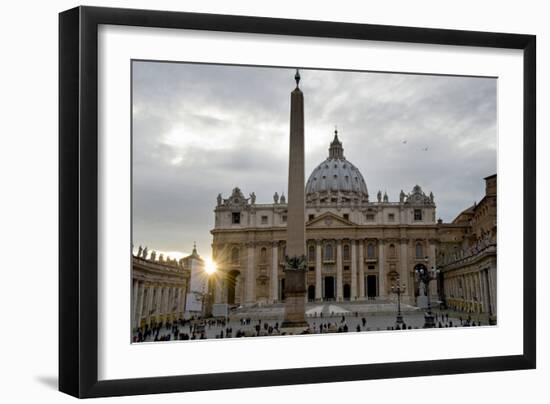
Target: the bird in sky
(425, 149)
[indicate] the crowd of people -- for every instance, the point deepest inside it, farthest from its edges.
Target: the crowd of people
(199, 328)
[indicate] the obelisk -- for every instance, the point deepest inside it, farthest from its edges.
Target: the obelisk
(295, 260)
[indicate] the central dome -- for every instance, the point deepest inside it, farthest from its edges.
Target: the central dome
(336, 176)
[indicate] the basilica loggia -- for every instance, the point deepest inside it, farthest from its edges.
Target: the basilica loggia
(357, 249)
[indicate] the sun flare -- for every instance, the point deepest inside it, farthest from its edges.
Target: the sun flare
(210, 267)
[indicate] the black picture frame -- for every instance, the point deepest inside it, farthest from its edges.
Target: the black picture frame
(78, 200)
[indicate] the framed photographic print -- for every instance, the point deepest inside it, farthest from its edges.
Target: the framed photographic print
(251, 201)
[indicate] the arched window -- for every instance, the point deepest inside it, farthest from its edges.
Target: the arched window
(419, 250)
(311, 253)
(347, 256)
(392, 251)
(263, 255)
(235, 256)
(370, 250)
(329, 255)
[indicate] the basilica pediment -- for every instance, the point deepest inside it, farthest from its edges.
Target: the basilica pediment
(328, 219)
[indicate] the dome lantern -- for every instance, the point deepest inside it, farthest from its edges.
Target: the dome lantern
(336, 151)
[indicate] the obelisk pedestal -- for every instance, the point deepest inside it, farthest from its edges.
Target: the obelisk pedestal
(295, 266)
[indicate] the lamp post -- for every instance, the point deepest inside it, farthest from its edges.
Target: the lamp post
(399, 289)
(426, 276)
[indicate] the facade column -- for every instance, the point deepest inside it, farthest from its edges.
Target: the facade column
(431, 263)
(382, 271)
(274, 293)
(318, 269)
(404, 269)
(353, 294)
(339, 283)
(219, 285)
(361, 269)
(250, 281)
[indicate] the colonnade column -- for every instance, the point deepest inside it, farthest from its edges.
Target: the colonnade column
(381, 272)
(318, 275)
(274, 293)
(149, 308)
(339, 280)
(135, 290)
(158, 303)
(250, 281)
(361, 269)
(482, 291)
(183, 301)
(491, 274)
(139, 310)
(353, 294)
(169, 298)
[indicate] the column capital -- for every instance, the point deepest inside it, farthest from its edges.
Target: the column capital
(319, 241)
(275, 243)
(249, 244)
(404, 240)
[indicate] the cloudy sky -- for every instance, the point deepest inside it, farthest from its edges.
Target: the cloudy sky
(200, 130)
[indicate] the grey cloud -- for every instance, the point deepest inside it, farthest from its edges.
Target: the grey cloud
(203, 129)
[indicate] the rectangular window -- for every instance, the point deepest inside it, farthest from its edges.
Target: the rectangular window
(370, 267)
(283, 218)
(236, 217)
(346, 216)
(346, 267)
(311, 269)
(370, 217)
(417, 214)
(391, 217)
(311, 217)
(264, 219)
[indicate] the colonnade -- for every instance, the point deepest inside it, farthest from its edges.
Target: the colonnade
(156, 303)
(472, 291)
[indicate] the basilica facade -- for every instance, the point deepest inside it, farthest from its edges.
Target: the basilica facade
(357, 248)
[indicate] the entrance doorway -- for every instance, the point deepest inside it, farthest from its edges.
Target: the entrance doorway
(347, 292)
(311, 293)
(282, 290)
(329, 288)
(371, 287)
